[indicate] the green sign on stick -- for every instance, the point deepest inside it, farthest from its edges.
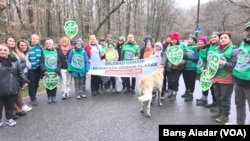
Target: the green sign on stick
(205, 80)
(71, 28)
(213, 64)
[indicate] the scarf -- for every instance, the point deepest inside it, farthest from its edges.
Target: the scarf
(65, 49)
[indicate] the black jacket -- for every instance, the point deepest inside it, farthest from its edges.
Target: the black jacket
(10, 76)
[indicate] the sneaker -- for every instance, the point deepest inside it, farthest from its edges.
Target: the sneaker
(54, 99)
(231, 123)
(83, 95)
(211, 105)
(172, 97)
(127, 91)
(49, 99)
(168, 91)
(108, 90)
(222, 119)
(78, 96)
(21, 113)
(201, 102)
(64, 96)
(113, 90)
(15, 117)
(1, 124)
(68, 95)
(185, 94)
(26, 108)
(132, 91)
(34, 102)
(216, 114)
(10, 122)
(189, 97)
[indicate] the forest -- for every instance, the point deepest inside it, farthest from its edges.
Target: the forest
(21, 18)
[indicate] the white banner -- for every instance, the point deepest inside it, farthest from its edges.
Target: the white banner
(133, 68)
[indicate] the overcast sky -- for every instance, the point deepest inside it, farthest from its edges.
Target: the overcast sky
(189, 3)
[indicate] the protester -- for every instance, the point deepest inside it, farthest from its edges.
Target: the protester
(241, 74)
(12, 76)
(50, 64)
(63, 49)
(34, 74)
(130, 51)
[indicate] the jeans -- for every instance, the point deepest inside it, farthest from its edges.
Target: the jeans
(34, 76)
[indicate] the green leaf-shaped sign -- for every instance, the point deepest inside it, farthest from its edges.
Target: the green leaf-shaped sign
(205, 80)
(71, 28)
(213, 64)
(174, 54)
(51, 81)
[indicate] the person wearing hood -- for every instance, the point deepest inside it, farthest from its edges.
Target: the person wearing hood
(147, 38)
(241, 74)
(12, 80)
(189, 71)
(78, 66)
(63, 49)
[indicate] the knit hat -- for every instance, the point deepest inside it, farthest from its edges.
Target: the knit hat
(147, 37)
(193, 37)
(79, 40)
(122, 38)
(101, 39)
(49, 41)
(203, 39)
(216, 33)
(109, 35)
(247, 25)
(175, 35)
(158, 44)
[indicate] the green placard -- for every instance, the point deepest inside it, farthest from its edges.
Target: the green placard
(110, 54)
(174, 54)
(205, 80)
(71, 28)
(51, 81)
(213, 64)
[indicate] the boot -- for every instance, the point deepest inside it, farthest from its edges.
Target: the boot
(223, 118)
(189, 97)
(185, 94)
(49, 99)
(54, 99)
(216, 114)
(211, 105)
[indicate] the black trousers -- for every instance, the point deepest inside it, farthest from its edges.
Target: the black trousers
(8, 103)
(127, 79)
(189, 77)
(95, 81)
(164, 84)
(173, 79)
(51, 93)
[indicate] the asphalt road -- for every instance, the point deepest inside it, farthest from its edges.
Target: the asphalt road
(106, 117)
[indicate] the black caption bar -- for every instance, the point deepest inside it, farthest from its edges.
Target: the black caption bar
(218, 132)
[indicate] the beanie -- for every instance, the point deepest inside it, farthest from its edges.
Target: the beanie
(158, 44)
(79, 40)
(49, 41)
(193, 37)
(216, 33)
(147, 37)
(109, 35)
(247, 25)
(203, 39)
(122, 38)
(175, 35)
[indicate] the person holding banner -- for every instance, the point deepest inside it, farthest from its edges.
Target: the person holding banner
(111, 54)
(223, 81)
(173, 60)
(95, 54)
(241, 74)
(50, 64)
(78, 66)
(63, 49)
(130, 51)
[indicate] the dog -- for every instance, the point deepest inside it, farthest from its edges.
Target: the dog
(148, 84)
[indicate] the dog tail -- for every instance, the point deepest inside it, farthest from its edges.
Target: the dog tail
(145, 97)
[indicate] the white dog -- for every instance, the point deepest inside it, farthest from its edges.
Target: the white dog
(148, 84)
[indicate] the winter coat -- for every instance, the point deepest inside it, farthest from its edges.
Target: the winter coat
(10, 77)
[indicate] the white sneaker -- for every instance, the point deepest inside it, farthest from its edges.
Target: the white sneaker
(113, 90)
(83, 95)
(1, 124)
(78, 96)
(231, 123)
(68, 95)
(10, 122)
(26, 108)
(108, 90)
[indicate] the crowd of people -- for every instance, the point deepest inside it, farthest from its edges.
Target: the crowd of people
(23, 64)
